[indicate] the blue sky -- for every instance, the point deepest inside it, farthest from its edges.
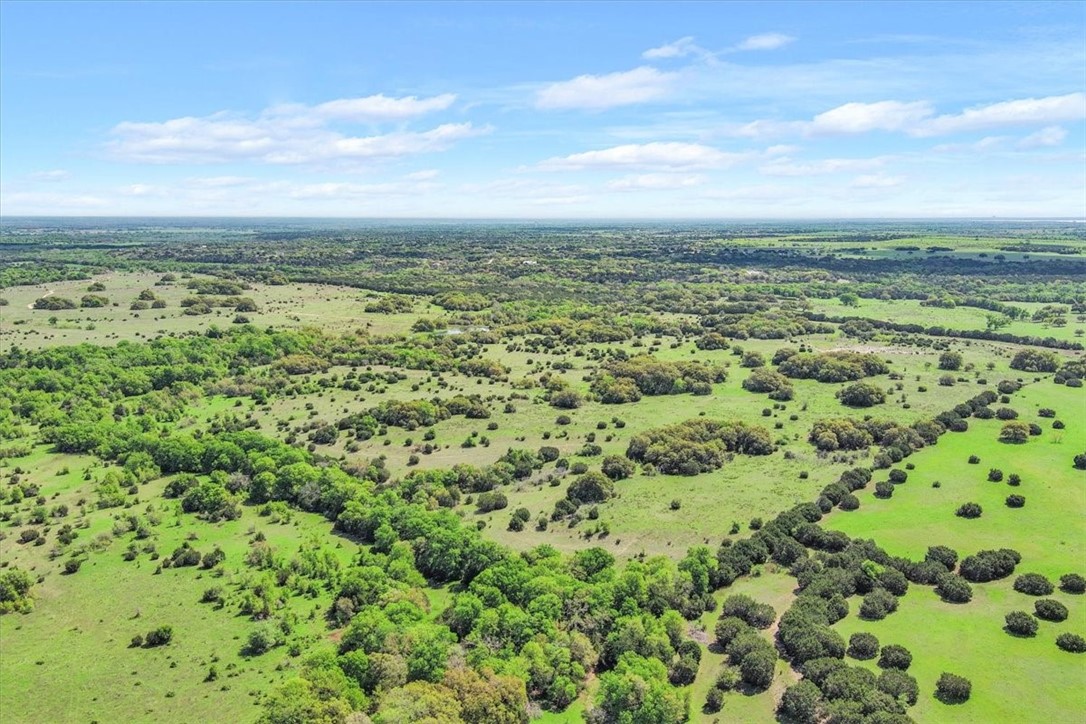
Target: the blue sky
(543, 110)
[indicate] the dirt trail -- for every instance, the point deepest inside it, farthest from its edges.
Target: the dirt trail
(49, 293)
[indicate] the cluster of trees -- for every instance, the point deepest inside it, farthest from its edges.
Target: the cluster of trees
(764, 379)
(746, 321)
(1035, 360)
(832, 366)
(461, 301)
(409, 415)
(698, 446)
(15, 591)
(861, 394)
(1071, 373)
(626, 380)
(54, 303)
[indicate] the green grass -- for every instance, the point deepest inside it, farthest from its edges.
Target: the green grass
(909, 311)
(1049, 532)
(69, 660)
(336, 309)
(640, 517)
(770, 586)
(1014, 679)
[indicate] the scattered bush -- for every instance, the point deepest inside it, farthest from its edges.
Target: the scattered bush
(954, 589)
(158, 637)
(1020, 623)
(1014, 433)
(591, 488)
(1049, 609)
(878, 604)
(861, 394)
(951, 361)
(968, 510)
(863, 646)
(1072, 583)
(1072, 643)
(895, 657)
(1033, 584)
(989, 565)
(953, 689)
(617, 467)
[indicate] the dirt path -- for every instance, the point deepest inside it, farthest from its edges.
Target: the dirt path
(47, 294)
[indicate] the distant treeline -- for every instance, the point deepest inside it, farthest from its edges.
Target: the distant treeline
(940, 331)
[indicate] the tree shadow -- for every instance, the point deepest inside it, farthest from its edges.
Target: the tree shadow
(1017, 635)
(950, 700)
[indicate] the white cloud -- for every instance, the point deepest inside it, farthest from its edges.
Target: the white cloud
(424, 175)
(58, 174)
(656, 182)
(781, 149)
(679, 49)
(918, 119)
(597, 92)
(988, 143)
(1053, 109)
(864, 117)
(1048, 136)
(382, 108)
(765, 41)
(142, 190)
(659, 155)
(274, 138)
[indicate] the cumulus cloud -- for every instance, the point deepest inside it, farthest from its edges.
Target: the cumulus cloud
(864, 117)
(1053, 109)
(291, 133)
(598, 92)
(658, 155)
(918, 118)
(382, 108)
(765, 41)
(222, 138)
